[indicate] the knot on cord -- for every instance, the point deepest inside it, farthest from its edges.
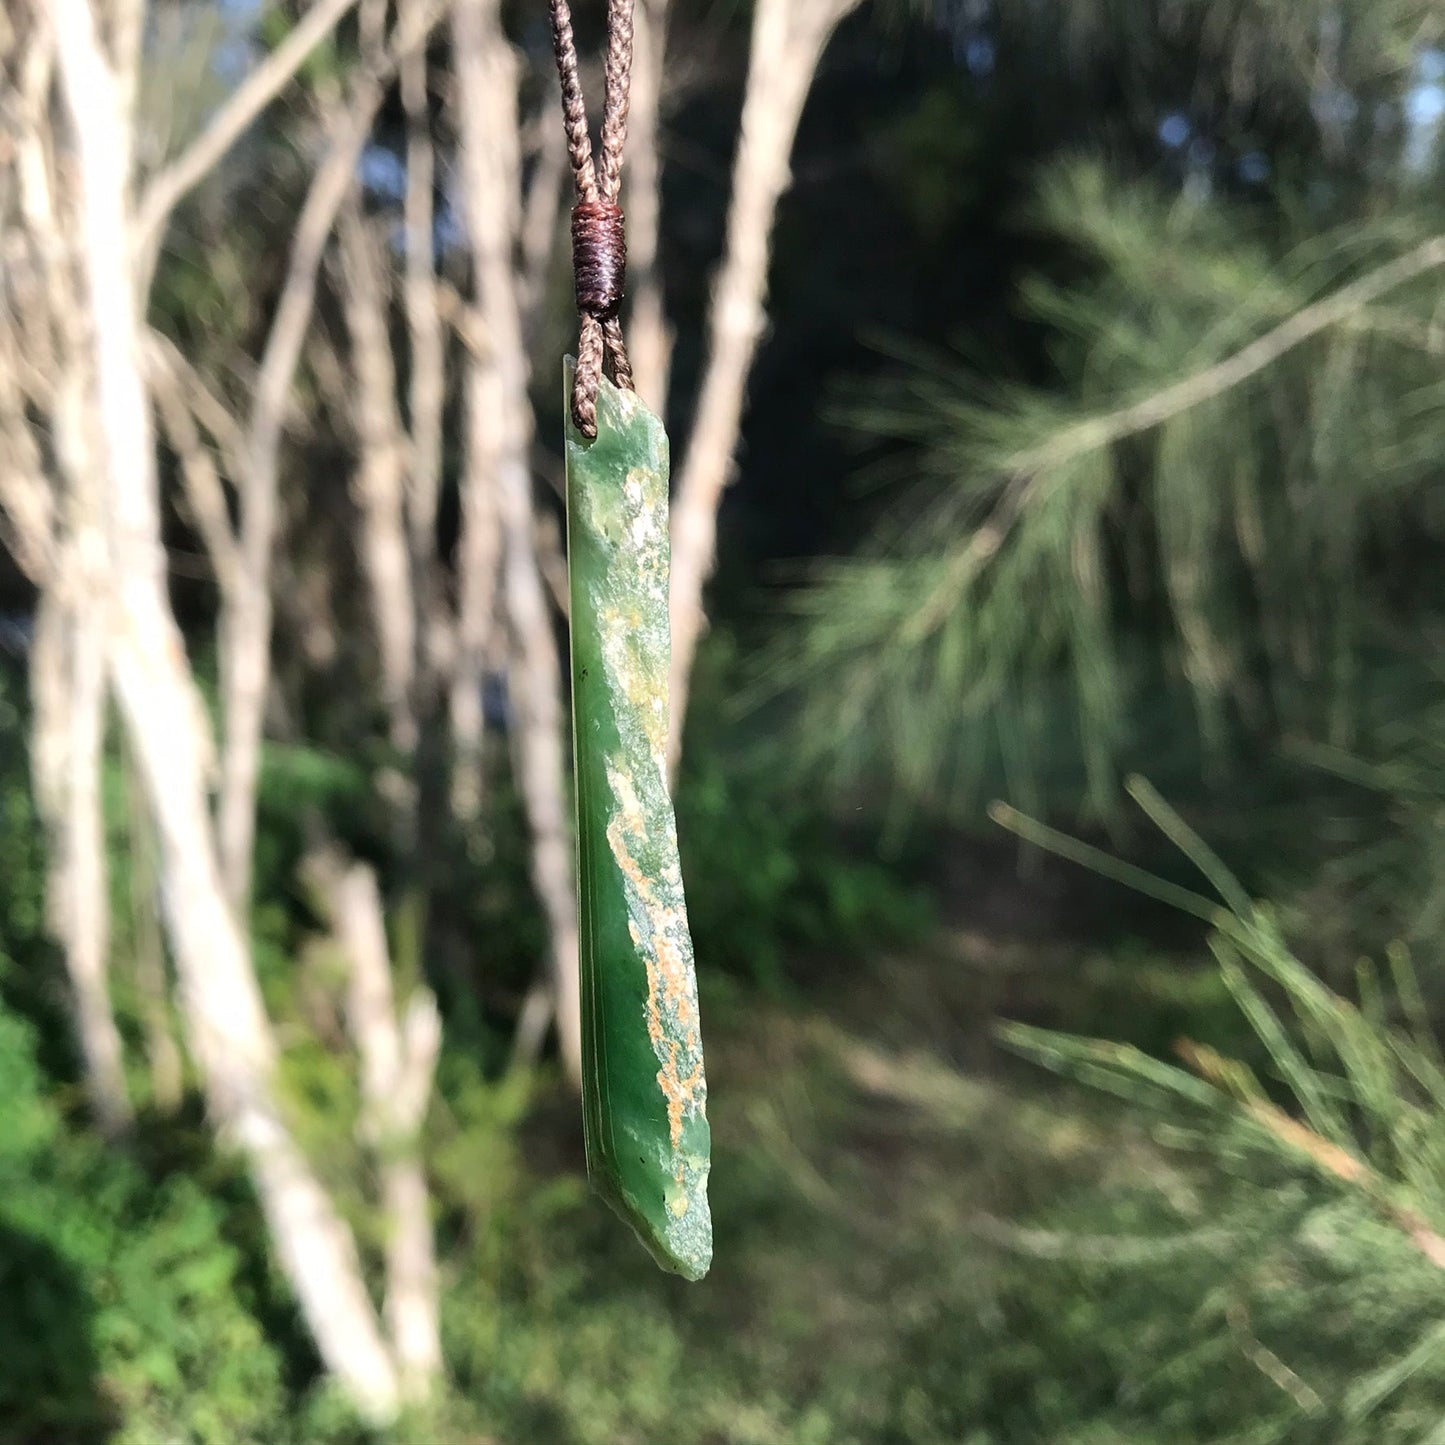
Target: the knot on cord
(599, 258)
(599, 243)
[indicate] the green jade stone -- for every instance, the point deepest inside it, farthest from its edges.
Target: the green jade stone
(644, 1095)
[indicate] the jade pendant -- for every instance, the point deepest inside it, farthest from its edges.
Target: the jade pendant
(644, 1095)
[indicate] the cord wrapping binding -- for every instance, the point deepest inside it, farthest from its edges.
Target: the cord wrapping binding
(599, 241)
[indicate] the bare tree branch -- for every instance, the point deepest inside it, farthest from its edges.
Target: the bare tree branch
(36, 291)
(486, 73)
(67, 672)
(398, 1056)
(246, 102)
(1072, 442)
(1181, 396)
(533, 1021)
(649, 337)
(386, 557)
(128, 30)
(787, 43)
(479, 556)
(1329, 1158)
(247, 625)
(25, 494)
(247, 630)
(60, 541)
(229, 1030)
(210, 412)
(163, 1054)
(427, 391)
(465, 319)
(540, 208)
(205, 494)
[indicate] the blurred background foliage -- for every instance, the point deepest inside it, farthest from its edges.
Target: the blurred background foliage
(971, 555)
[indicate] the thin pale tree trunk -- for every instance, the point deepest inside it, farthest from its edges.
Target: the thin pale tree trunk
(487, 117)
(60, 542)
(246, 629)
(380, 485)
(229, 1031)
(67, 671)
(37, 339)
(480, 549)
(163, 1054)
(426, 398)
(398, 1051)
(540, 209)
(788, 40)
(479, 556)
(649, 336)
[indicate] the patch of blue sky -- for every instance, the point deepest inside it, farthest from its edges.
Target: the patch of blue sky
(383, 172)
(1175, 130)
(1424, 110)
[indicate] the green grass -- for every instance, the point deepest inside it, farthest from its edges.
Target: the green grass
(921, 1240)
(910, 1252)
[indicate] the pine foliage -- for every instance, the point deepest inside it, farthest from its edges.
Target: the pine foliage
(1206, 514)
(1332, 1150)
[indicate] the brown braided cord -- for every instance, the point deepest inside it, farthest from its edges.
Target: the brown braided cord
(591, 351)
(574, 107)
(599, 250)
(621, 367)
(616, 98)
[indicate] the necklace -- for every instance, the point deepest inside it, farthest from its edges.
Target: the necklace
(644, 1093)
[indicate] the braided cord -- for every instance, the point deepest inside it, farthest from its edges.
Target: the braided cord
(599, 246)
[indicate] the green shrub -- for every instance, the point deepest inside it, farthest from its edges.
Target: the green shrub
(771, 871)
(125, 1313)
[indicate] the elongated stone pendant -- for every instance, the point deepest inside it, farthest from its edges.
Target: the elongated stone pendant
(644, 1095)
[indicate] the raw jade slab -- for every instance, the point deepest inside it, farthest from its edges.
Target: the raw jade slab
(644, 1094)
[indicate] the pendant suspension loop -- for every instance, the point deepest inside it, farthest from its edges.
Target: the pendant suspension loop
(599, 244)
(621, 367)
(590, 352)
